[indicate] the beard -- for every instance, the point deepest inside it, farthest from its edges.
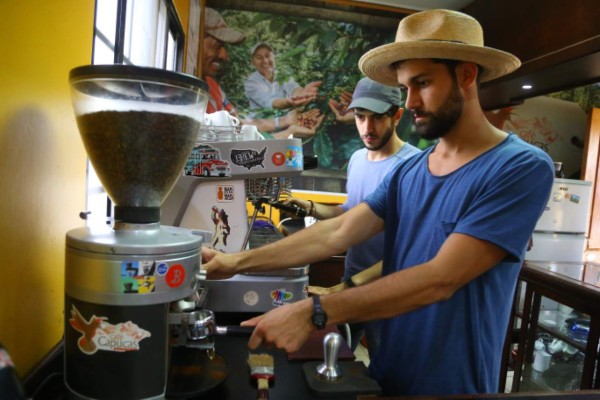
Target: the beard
(383, 141)
(442, 120)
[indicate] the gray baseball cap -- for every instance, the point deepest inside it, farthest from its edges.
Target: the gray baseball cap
(374, 96)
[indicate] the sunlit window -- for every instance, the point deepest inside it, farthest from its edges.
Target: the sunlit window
(136, 32)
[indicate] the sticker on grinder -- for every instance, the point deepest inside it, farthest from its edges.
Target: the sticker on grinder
(175, 275)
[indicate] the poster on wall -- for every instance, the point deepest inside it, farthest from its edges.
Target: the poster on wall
(556, 126)
(304, 51)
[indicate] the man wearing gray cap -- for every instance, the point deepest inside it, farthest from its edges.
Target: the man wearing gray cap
(377, 113)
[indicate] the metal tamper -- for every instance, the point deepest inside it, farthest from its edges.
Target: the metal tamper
(329, 370)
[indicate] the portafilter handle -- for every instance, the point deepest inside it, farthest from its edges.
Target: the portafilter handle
(329, 370)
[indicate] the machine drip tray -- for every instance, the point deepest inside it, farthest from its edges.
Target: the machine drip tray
(193, 373)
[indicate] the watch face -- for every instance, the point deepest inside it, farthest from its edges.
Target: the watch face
(319, 319)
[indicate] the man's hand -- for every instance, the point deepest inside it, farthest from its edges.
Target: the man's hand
(305, 95)
(304, 124)
(218, 265)
(286, 327)
(340, 108)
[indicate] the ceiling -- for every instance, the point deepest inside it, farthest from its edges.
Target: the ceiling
(421, 4)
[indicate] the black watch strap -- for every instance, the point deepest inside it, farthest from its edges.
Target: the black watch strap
(349, 282)
(319, 316)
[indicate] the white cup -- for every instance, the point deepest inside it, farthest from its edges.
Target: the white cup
(541, 360)
(250, 132)
(556, 346)
(221, 118)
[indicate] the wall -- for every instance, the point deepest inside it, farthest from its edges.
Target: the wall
(556, 126)
(42, 166)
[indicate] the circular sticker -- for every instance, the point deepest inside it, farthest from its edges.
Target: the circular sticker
(250, 298)
(278, 158)
(161, 269)
(175, 275)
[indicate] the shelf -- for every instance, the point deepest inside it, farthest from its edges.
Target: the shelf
(559, 377)
(544, 300)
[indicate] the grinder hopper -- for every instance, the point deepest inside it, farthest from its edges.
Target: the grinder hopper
(138, 126)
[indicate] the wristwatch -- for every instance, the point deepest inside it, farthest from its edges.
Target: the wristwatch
(319, 316)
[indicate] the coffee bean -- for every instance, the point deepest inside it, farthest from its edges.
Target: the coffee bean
(138, 154)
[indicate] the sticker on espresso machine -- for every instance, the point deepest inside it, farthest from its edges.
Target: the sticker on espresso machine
(281, 296)
(98, 334)
(251, 298)
(294, 156)
(138, 276)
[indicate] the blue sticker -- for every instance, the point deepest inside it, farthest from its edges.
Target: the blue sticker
(162, 269)
(294, 157)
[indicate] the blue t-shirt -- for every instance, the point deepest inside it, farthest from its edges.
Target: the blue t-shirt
(455, 346)
(363, 178)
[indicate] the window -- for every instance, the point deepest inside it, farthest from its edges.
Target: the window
(134, 32)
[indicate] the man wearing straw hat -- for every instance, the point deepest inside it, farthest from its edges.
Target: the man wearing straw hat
(456, 218)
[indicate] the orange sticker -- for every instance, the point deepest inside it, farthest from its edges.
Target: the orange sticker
(278, 158)
(175, 275)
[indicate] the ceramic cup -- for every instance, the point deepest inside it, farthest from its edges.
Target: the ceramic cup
(221, 118)
(541, 361)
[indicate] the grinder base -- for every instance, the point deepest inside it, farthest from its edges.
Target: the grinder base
(355, 380)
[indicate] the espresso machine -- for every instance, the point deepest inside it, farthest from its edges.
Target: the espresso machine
(125, 280)
(230, 204)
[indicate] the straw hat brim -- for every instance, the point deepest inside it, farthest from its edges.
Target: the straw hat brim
(377, 63)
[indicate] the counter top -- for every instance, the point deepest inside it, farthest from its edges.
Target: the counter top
(46, 381)
(578, 395)
(289, 376)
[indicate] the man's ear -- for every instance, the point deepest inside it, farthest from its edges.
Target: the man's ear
(466, 74)
(398, 114)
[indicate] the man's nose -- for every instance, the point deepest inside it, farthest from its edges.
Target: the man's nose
(413, 100)
(223, 53)
(369, 124)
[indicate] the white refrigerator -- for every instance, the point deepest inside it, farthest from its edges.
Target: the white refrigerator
(560, 239)
(560, 234)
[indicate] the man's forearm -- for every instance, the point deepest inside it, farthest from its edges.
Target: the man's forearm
(304, 247)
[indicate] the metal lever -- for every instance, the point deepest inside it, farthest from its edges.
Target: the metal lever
(329, 370)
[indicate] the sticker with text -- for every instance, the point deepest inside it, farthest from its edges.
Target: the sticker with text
(225, 194)
(248, 158)
(98, 334)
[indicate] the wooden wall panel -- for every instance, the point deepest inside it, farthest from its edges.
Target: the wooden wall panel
(590, 170)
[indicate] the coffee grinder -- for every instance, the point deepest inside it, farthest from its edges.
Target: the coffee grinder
(138, 126)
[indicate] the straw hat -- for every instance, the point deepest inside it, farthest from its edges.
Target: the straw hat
(437, 34)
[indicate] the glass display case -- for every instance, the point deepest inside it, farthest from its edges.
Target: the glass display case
(552, 341)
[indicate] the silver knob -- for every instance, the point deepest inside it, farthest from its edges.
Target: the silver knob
(329, 370)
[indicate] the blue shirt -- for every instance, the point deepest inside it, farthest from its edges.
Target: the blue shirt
(455, 346)
(363, 178)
